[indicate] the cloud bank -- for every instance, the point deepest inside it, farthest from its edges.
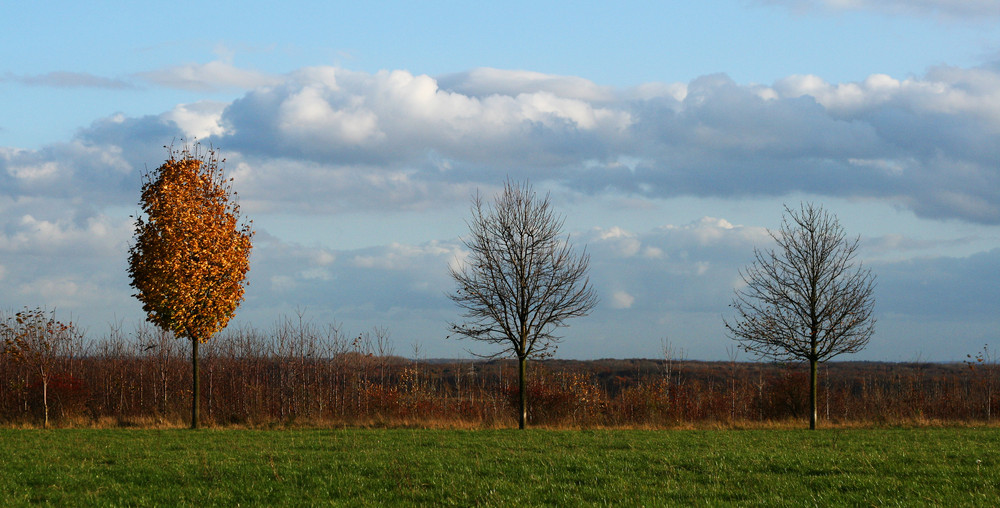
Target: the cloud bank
(394, 139)
(329, 142)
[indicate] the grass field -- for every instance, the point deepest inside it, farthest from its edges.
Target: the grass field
(72, 467)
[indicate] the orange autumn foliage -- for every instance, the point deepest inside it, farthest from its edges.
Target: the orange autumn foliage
(191, 253)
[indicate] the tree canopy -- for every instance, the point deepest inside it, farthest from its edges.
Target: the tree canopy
(191, 253)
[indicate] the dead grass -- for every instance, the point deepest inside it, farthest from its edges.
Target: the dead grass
(163, 423)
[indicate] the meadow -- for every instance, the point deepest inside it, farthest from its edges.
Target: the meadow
(828, 467)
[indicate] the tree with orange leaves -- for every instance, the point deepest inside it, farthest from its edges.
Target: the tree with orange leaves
(191, 252)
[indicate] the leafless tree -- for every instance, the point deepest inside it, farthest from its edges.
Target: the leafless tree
(809, 299)
(521, 279)
(35, 337)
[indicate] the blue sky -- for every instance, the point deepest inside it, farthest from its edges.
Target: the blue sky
(669, 135)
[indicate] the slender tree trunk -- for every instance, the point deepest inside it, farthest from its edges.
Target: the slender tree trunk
(45, 401)
(812, 394)
(522, 378)
(195, 388)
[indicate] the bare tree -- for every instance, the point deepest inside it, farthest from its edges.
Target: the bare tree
(521, 279)
(807, 300)
(33, 336)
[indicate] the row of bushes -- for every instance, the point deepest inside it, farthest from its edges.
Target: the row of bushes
(297, 372)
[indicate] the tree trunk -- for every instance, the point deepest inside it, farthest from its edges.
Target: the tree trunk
(523, 407)
(195, 388)
(45, 401)
(812, 394)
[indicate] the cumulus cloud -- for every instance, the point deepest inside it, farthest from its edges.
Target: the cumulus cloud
(885, 138)
(308, 187)
(396, 119)
(64, 255)
(66, 170)
(325, 139)
(924, 143)
(927, 143)
(103, 164)
(197, 120)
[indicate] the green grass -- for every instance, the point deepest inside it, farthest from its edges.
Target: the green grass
(73, 467)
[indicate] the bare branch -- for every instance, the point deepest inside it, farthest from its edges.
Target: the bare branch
(521, 280)
(807, 299)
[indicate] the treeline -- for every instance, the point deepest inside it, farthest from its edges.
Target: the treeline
(300, 373)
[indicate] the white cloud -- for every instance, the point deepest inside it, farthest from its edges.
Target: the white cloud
(320, 274)
(621, 300)
(649, 91)
(208, 77)
(291, 186)
(42, 171)
(892, 247)
(55, 291)
(307, 115)
(969, 10)
(623, 243)
(93, 236)
(61, 255)
(198, 120)
(393, 118)
(282, 283)
(701, 267)
(76, 169)
(653, 253)
(326, 139)
(946, 90)
(711, 231)
(484, 81)
(64, 79)
(405, 257)
(323, 257)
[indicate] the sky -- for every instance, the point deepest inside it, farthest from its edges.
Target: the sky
(670, 135)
